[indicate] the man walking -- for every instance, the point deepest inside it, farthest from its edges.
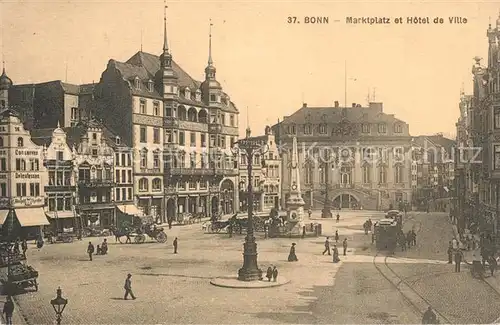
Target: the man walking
(128, 287)
(458, 260)
(338, 217)
(175, 245)
(8, 310)
(327, 246)
(336, 236)
(90, 250)
(344, 245)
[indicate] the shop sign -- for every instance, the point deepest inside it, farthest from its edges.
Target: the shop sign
(27, 201)
(20, 152)
(27, 175)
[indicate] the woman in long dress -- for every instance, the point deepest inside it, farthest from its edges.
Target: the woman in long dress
(336, 258)
(292, 257)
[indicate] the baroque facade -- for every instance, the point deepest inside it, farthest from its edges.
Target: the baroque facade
(22, 176)
(359, 156)
(181, 130)
(266, 176)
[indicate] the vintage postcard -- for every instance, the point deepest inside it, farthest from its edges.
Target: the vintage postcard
(249, 162)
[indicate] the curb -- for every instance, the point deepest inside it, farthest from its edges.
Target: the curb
(233, 283)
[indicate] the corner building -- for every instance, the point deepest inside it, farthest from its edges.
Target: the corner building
(181, 130)
(369, 153)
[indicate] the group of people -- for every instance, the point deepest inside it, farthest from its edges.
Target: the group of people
(408, 240)
(336, 258)
(272, 273)
(101, 249)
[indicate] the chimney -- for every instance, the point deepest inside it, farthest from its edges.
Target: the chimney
(376, 106)
(353, 104)
(304, 105)
(336, 104)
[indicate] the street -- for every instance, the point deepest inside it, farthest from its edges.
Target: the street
(175, 288)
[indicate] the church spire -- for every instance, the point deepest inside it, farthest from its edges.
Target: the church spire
(210, 69)
(210, 61)
(166, 57)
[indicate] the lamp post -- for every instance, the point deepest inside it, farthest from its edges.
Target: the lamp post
(250, 270)
(59, 303)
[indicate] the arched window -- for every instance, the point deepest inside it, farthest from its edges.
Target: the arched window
(192, 115)
(143, 184)
(398, 174)
(367, 174)
(182, 113)
(345, 175)
(382, 175)
(20, 142)
(144, 158)
(156, 184)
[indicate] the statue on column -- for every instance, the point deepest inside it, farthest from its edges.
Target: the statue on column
(295, 203)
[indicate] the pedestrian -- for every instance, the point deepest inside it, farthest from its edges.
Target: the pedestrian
(327, 246)
(128, 287)
(402, 243)
(104, 247)
(493, 265)
(450, 253)
(303, 231)
(409, 239)
(275, 274)
(336, 236)
(90, 250)
(24, 247)
(175, 245)
(269, 274)
(344, 245)
(429, 317)
(458, 260)
(310, 213)
(336, 258)
(413, 237)
(338, 217)
(8, 310)
(169, 220)
(292, 257)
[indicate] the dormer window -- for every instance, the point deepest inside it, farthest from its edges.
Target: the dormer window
(322, 128)
(137, 83)
(381, 128)
(307, 129)
(198, 95)
(398, 128)
(150, 86)
(117, 140)
(213, 98)
(365, 128)
(292, 129)
(187, 93)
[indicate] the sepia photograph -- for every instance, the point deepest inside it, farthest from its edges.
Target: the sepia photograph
(249, 162)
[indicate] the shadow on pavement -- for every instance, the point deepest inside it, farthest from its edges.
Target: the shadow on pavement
(177, 275)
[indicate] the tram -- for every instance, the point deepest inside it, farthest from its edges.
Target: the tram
(386, 234)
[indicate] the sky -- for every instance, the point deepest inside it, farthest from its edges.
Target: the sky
(268, 66)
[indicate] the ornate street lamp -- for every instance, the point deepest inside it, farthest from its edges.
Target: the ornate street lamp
(326, 211)
(250, 270)
(59, 303)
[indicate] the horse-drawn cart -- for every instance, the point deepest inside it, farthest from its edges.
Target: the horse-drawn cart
(16, 275)
(137, 230)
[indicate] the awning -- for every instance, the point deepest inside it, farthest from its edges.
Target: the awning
(29, 217)
(60, 215)
(3, 216)
(130, 209)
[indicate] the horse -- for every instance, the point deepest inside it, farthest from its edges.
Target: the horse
(118, 233)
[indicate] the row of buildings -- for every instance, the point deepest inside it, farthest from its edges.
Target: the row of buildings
(478, 142)
(150, 139)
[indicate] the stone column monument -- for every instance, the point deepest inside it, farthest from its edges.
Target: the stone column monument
(295, 203)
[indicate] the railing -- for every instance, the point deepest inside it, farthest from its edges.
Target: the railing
(214, 128)
(179, 171)
(169, 121)
(97, 182)
(170, 145)
(150, 170)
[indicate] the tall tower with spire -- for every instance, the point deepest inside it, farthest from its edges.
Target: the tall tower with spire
(492, 45)
(166, 76)
(295, 203)
(5, 84)
(211, 88)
